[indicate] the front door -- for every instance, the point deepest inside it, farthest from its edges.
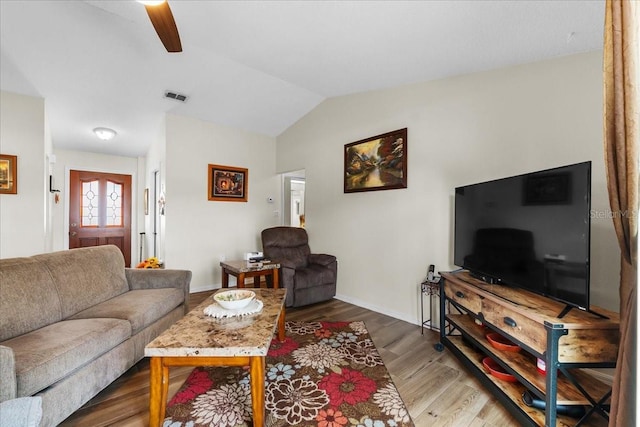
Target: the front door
(100, 211)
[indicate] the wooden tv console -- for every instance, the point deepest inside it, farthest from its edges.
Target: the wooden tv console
(577, 339)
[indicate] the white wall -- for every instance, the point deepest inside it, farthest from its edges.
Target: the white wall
(67, 160)
(22, 216)
(50, 197)
(461, 130)
(199, 231)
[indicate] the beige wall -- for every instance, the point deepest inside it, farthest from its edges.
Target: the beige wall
(461, 130)
(199, 231)
(67, 160)
(23, 224)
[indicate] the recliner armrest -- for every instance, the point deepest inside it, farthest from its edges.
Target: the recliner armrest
(8, 384)
(321, 259)
(287, 264)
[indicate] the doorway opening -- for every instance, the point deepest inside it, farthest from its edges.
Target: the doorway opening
(293, 197)
(157, 213)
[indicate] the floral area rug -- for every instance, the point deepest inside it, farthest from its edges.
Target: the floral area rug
(324, 374)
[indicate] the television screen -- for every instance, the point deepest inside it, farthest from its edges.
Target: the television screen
(530, 231)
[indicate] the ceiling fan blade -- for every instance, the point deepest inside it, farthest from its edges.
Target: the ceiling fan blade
(164, 24)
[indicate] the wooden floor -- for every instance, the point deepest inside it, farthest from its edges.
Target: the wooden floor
(436, 388)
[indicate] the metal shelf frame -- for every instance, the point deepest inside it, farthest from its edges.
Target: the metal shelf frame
(554, 333)
(431, 289)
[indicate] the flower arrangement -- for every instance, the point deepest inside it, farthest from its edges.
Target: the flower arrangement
(152, 262)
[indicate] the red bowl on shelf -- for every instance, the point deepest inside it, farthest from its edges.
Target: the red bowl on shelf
(497, 371)
(501, 343)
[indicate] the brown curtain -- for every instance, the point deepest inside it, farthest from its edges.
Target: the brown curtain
(621, 161)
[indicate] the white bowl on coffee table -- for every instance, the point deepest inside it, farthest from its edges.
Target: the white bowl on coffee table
(234, 299)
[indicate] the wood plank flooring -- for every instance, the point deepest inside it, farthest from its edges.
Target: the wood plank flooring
(436, 388)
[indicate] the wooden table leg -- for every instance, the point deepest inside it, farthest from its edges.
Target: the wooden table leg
(165, 391)
(240, 283)
(257, 373)
(225, 278)
(281, 321)
(276, 278)
(158, 388)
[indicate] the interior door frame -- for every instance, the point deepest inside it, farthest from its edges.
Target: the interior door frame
(155, 219)
(285, 192)
(135, 203)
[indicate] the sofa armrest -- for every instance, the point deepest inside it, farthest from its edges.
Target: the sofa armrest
(8, 384)
(156, 278)
(321, 259)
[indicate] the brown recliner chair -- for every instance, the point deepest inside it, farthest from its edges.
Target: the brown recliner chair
(308, 278)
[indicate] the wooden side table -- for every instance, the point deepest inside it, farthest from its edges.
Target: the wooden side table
(241, 270)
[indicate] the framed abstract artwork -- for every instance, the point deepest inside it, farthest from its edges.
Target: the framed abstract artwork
(376, 163)
(8, 174)
(228, 183)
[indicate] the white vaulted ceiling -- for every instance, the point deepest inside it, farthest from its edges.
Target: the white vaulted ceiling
(260, 65)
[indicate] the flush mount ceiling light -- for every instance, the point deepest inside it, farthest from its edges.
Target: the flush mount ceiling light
(105, 134)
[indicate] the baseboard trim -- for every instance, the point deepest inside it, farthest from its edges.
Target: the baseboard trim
(598, 374)
(350, 300)
(377, 309)
(203, 288)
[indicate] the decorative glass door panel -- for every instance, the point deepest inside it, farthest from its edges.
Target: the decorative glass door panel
(114, 204)
(90, 197)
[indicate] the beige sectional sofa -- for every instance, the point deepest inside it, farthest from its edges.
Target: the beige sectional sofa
(71, 322)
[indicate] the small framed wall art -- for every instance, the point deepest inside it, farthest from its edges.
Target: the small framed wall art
(376, 163)
(228, 183)
(8, 174)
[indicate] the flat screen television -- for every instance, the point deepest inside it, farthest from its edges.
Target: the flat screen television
(530, 231)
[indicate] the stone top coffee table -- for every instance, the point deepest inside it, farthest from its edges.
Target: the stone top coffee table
(201, 340)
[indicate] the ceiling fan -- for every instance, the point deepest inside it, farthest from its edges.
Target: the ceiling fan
(162, 19)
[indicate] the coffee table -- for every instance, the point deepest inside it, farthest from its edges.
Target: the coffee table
(241, 270)
(201, 340)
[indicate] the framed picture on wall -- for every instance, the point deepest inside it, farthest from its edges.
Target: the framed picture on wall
(376, 163)
(228, 183)
(8, 174)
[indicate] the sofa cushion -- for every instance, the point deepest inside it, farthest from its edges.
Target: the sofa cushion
(48, 354)
(140, 307)
(85, 277)
(26, 280)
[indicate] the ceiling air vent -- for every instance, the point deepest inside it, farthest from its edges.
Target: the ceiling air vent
(176, 96)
